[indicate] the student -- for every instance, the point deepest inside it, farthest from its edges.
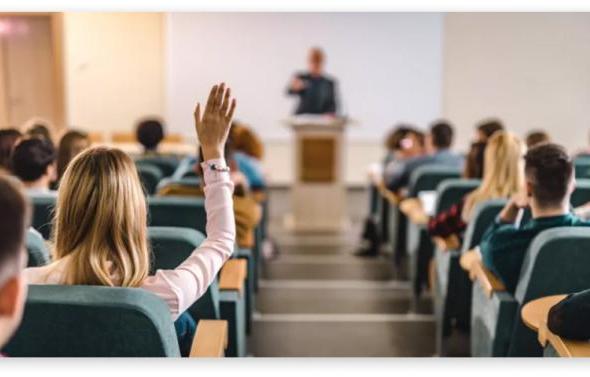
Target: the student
(33, 161)
(486, 128)
(14, 220)
(149, 133)
(549, 184)
(438, 143)
(71, 144)
(39, 128)
(537, 137)
(503, 177)
(100, 230)
(570, 318)
(8, 139)
(246, 141)
(403, 144)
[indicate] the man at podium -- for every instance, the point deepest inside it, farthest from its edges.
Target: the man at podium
(317, 93)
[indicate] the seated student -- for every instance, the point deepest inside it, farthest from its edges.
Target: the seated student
(503, 176)
(536, 137)
(242, 154)
(71, 144)
(100, 223)
(39, 128)
(14, 220)
(486, 128)
(570, 318)
(403, 144)
(8, 140)
(549, 184)
(438, 143)
(246, 141)
(149, 133)
(33, 161)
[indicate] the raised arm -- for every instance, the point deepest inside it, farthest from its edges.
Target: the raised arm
(181, 287)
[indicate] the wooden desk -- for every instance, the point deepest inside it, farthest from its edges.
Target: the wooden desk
(534, 315)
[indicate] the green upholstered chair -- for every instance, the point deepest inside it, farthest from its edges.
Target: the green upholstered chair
(92, 321)
(555, 263)
(166, 164)
(185, 169)
(420, 247)
(400, 233)
(452, 294)
(150, 176)
(170, 247)
(581, 194)
(36, 249)
(582, 167)
(43, 207)
(183, 212)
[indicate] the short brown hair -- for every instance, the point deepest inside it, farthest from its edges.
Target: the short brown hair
(442, 134)
(14, 221)
(536, 137)
(549, 169)
(489, 126)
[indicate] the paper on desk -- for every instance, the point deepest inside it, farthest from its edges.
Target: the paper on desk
(428, 200)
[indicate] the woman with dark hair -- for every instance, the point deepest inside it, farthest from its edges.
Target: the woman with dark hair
(71, 144)
(8, 140)
(150, 132)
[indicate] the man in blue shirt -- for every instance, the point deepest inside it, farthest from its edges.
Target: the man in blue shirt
(438, 141)
(549, 185)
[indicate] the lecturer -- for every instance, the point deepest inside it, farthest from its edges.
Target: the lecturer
(317, 93)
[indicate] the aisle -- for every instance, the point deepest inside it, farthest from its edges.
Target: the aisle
(318, 299)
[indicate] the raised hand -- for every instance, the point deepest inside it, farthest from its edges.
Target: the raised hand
(213, 128)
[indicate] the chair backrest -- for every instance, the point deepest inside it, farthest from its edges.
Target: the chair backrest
(582, 167)
(556, 262)
(43, 207)
(483, 215)
(452, 191)
(36, 248)
(581, 194)
(185, 168)
(92, 321)
(427, 178)
(150, 176)
(170, 247)
(182, 212)
(166, 164)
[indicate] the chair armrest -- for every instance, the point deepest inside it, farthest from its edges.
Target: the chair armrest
(413, 209)
(210, 339)
(534, 313)
(233, 275)
(489, 282)
(451, 242)
(468, 260)
(563, 347)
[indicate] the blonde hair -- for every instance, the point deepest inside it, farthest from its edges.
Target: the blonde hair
(100, 223)
(503, 172)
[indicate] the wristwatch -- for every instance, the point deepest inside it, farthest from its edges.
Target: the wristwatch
(215, 167)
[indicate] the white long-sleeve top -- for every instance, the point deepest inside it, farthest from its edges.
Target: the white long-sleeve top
(182, 286)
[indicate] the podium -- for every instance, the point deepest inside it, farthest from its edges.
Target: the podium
(318, 196)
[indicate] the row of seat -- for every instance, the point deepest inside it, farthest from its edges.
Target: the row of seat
(177, 227)
(496, 328)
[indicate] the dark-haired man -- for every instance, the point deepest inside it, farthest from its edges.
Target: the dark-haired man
(438, 142)
(149, 133)
(549, 184)
(34, 162)
(14, 220)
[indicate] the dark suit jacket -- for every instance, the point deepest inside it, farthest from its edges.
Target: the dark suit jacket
(318, 96)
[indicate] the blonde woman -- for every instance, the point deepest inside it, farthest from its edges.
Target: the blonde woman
(503, 176)
(100, 222)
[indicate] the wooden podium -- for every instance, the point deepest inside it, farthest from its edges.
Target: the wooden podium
(319, 192)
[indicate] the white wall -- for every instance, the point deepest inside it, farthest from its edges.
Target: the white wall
(388, 68)
(530, 69)
(114, 69)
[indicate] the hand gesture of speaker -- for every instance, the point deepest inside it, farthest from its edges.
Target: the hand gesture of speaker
(213, 127)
